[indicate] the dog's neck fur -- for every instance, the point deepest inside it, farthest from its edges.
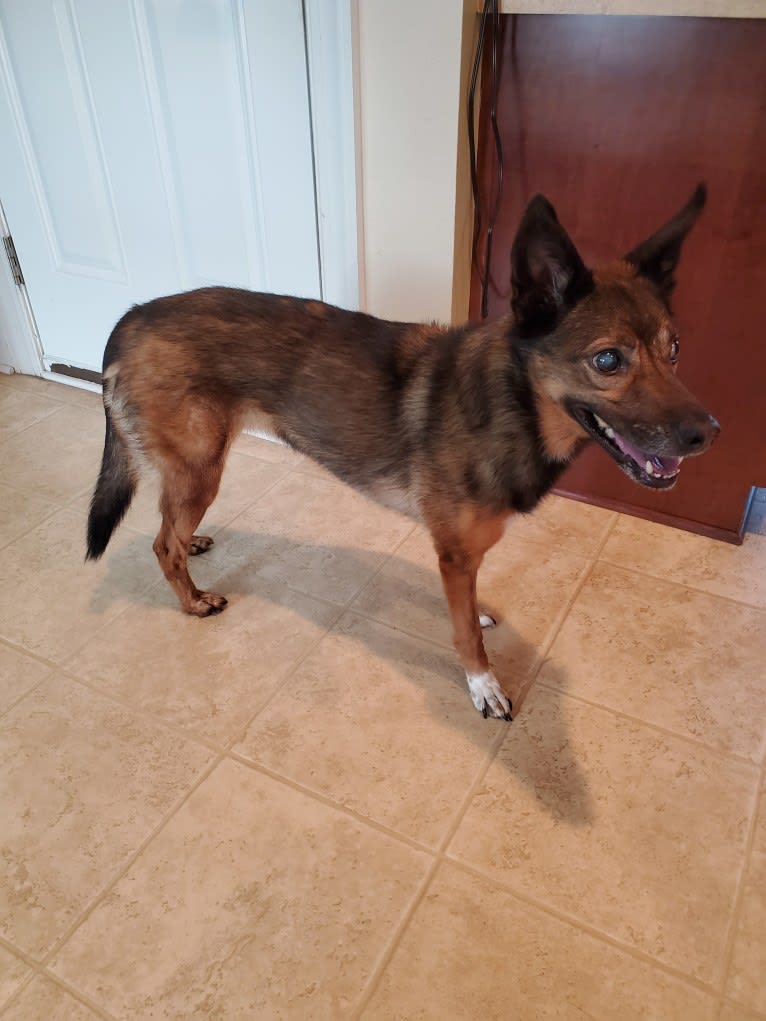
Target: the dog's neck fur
(523, 440)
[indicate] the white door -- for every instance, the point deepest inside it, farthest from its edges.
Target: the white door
(149, 147)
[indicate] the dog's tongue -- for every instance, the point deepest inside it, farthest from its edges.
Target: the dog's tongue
(659, 465)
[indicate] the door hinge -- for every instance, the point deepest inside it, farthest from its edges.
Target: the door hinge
(13, 259)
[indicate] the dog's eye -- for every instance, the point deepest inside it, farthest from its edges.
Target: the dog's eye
(675, 348)
(607, 361)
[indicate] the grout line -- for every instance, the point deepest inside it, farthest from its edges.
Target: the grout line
(147, 714)
(75, 993)
(577, 923)
(57, 508)
(746, 1012)
(651, 725)
(17, 993)
(60, 405)
(9, 708)
(39, 971)
(390, 949)
(342, 609)
(327, 800)
(88, 910)
(550, 638)
(441, 854)
(682, 584)
(739, 893)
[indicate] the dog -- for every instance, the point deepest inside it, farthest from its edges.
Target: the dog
(457, 427)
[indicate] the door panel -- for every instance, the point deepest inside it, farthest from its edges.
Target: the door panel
(151, 147)
(616, 119)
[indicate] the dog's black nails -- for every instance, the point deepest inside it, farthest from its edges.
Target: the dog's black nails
(484, 710)
(507, 717)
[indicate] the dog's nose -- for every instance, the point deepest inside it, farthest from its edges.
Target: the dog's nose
(697, 433)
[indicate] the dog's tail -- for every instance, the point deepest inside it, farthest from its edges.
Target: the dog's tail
(118, 477)
(114, 490)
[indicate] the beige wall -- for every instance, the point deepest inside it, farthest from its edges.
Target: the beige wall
(409, 124)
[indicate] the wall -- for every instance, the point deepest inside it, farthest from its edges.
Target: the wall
(411, 61)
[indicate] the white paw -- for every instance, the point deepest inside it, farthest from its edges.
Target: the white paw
(486, 621)
(488, 697)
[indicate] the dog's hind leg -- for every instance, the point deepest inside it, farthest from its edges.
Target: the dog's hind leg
(187, 492)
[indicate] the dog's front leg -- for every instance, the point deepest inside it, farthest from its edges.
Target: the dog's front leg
(458, 571)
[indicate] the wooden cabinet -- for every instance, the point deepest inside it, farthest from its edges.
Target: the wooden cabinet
(615, 119)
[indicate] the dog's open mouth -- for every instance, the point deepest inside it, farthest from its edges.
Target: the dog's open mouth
(653, 470)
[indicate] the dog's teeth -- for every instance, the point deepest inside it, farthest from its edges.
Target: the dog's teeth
(600, 421)
(649, 468)
(609, 432)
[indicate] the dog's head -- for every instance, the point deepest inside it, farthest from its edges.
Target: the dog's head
(602, 346)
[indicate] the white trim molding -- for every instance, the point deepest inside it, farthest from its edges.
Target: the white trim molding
(328, 25)
(20, 347)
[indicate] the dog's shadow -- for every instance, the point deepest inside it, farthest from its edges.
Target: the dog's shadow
(536, 751)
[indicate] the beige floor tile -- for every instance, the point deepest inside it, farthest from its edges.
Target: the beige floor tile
(747, 973)
(19, 410)
(85, 781)
(292, 905)
(18, 673)
(308, 467)
(733, 1012)
(64, 393)
(52, 601)
(20, 511)
(318, 536)
(44, 1001)
(678, 658)
(57, 457)
(522, 584)
(638, 834)
(210, 675)
(13, 971)
(379, 722)
(478, 954)
(563, 524)
(737, 572)
(266, 450)
(244, 481)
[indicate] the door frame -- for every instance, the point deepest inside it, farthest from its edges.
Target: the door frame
(329, 41)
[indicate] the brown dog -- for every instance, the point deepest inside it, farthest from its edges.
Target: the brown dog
(457, 427)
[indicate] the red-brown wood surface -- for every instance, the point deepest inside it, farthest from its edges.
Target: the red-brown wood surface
(615, 119)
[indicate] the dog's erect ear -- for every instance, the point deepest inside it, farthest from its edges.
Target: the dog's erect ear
(657, 257)
(547, 274)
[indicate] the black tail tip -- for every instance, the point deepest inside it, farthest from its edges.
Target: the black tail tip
(99, 533)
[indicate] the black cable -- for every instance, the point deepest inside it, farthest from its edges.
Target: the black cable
(472, 139)
(490, 7)
(499, 158)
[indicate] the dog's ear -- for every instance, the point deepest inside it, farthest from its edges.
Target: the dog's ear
(657, 257)
(547, 274)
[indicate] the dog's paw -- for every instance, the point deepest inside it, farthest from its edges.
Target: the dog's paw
(207, 604)
(199, 544)
(488, 697)
(486, 621)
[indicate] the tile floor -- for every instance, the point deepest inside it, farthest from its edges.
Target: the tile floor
(293, 811)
